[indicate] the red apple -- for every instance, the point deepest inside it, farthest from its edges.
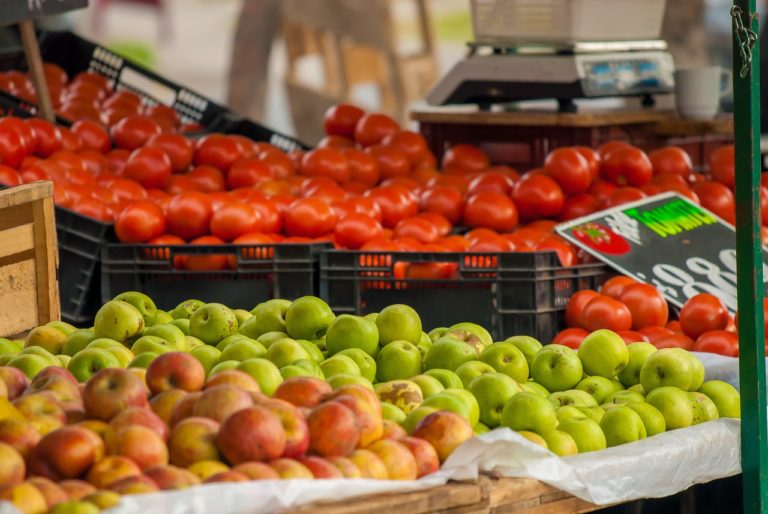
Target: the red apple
(15, 381)
(163, 403)
(368, 417)
(348, 468)
(291, 468)
(111, 391)
(254, 433)
(140, 444)
(427, 460)
(193, 440)
(12, 467)
(20, 434)
(171, 477)
(236, 378)
(175, 370)
(77, 489)
(111, 469)
(333, 430)
(296, 430)
(400, 463)
(67, 452)
(136, 416)
(257, 471)
(25, 497)
(322, 468)
(51, 491)
(184, 408)
(369, 464)
(40, 404)
(56, 371)
(221, 401)
(391, 430)
(303, 391)
(445, 431)
(227, 476)
(135, 485)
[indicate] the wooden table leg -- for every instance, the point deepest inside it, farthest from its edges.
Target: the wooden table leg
(35, 64)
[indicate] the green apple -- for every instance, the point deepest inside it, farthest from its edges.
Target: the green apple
(526, 344)
(603, 353)
(508, 359)
(573, 397)
(159, 317)
(625, 397)
(557, 368)
(392, 413)
(123, 354)
(532, 387)
(348, 331)
(674, 405)
(593, 413)
(152, 344)
(725, 397)
(320, 344)
(704, 409)
(339, 364)
(242, 350)
(364, 361)
(638, 354)
(292, 370)
(397, 360)
(343, 379)
(315, 354)
(190, 343)
(398, 322)
(182, 324)
(5, 359)
(264, 372)
(667, 367)
(90, 361)
(652, 418)
(478, 331)
(560, 443)
(429, 385)
(492, 392)
(697, 369)
(50, 338)
(480, 429)
(437, 333)
(29, 364)
(567, 412)
(8, 347)
(622, 425)
(424, 345)
(284, 352)
(586, 433)
(599, 387)
(415, 417)
(118, 320)
(308, 317)
(529, 411)
(469, 371)
(448, 378)
(64, 360)
(637, 388)
(241, 315)
(223, 366)
(208, 356)
(449, 354)
(452, 403)
(270, 337)
(212, 322)
(42, 352)
(142, 360)
(142, 302)
(103, 342)
(222, 345)
(266, 317)
(371, 316)
(61, 326)
(170, 333)
(311, 367)
(185, 309)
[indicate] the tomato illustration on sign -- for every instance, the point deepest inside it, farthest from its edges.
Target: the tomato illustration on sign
(601, 238)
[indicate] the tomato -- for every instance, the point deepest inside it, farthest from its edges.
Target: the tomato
(28, 140)
(392, 161)
(406, 182)
(54, 74)
(671, 160)
(163, 114)
(592, 158)
(363, 167)
(11, 147)
(717, 198)
(372, 128)
(247, 173)
(9, 176)
(341, 119)
(647, 305)
(675, 327)
(608, 146)
(326, 162)
(494, 244)
(466, 157)
(93, 208)
(575, 306)
(566, 253)
(139, 222)
(454, 243)
(280, 165)
(578, 206)
(270, 215)
(417, 228)
(127, 98)
(492, 210)
(458, 182)
(654, 333)
(309, 217)
(624, 195)
(189, 214)
(626, 166)
(601, 190)
(233, 220)
(411, 143)
(605, 312)
(395, 202)
(134, 131)
(632, 336)
(614, 286)
(355, 229)
(570, 337)
(423, 175)
(338, 142)
(179, 183)
(205, 262)
(116, 160)
(491, 181)
(569, 169)
(178, 148)
(443, 200)
(148, 166)
(164, 254)
(722, 166)
(538, 196)
(217, 150)
(718, 341)
(702, 313)
(674, 341)
(94, 162)
(439, 221)
(208, 179)
(358, 205)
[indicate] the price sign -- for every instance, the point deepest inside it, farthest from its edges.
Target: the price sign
(14, 11)
(665, 240)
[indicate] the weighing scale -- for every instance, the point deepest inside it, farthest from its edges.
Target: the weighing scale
(497, 73)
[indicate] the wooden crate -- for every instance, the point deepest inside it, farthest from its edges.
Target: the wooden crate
(28, 258)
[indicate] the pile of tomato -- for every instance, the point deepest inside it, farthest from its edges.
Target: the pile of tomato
(639, 312)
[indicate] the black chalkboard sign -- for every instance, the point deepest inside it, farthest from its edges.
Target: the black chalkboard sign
(14, 11)
(665, 240)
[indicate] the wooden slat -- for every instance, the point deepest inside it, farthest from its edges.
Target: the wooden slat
(46, 260)
(17, 240)
(601, 118)
(25, 193)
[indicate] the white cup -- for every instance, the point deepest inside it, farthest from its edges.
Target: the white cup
(698, 91)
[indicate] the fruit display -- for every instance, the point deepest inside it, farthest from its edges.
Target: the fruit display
(147, 400)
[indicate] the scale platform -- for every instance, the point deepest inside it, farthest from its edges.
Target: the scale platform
(494, 74)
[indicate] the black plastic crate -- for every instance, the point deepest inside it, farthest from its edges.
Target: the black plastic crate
(508, 293)
(259, 273)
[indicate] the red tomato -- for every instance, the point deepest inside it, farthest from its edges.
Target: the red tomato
(116, 160)
(69, 140)
(9, 176)
(671, 160)
(411, 143)
(280, 165)
(416, 228)
(592, 158)
(128, 98)
(338, 142)
(626, 166)
(358, 205)
(248, 172)
(355, 229)
(575, 306)
(47, 136)
(164, 115)
(605, 312)
(178, 184)
(631, 336)
(647, 305)
(655, 333)
(127, 190)
(218, 151)
(395, 202)
(538, 196)
(674, 341)
(702, 313)
(94, 162)
(492, 210)
(178, 148)
(148, 166)
(363, 167)
(372, 128)
(624, 195)
(717, 198)
(443, 200)
(722, 165)
(491, 181)
(466, 157)
(495, 244)
(208, 179)
(11, 147)
(234, 220)
(326, 162)
(340, 120)
(569, 169)
(675, 327)
(454, 243)
(570, 337)
(458, 182)
(139, 222)
(189, 214)
(566, 253)
(406, 182)
(270, 214)
(718, 341)
(602, 191)
(614, 286)
(54, 74)
(164, 254)
(28, 140)
(206, 262)
(134, 131)
(392, 161)
(439, 221)
(603, 149)
(578, 206)
(93, 208)
(309, 217)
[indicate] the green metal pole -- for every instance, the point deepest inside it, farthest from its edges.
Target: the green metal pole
(746, 90)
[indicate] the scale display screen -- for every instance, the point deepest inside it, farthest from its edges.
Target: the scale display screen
(621, 77)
